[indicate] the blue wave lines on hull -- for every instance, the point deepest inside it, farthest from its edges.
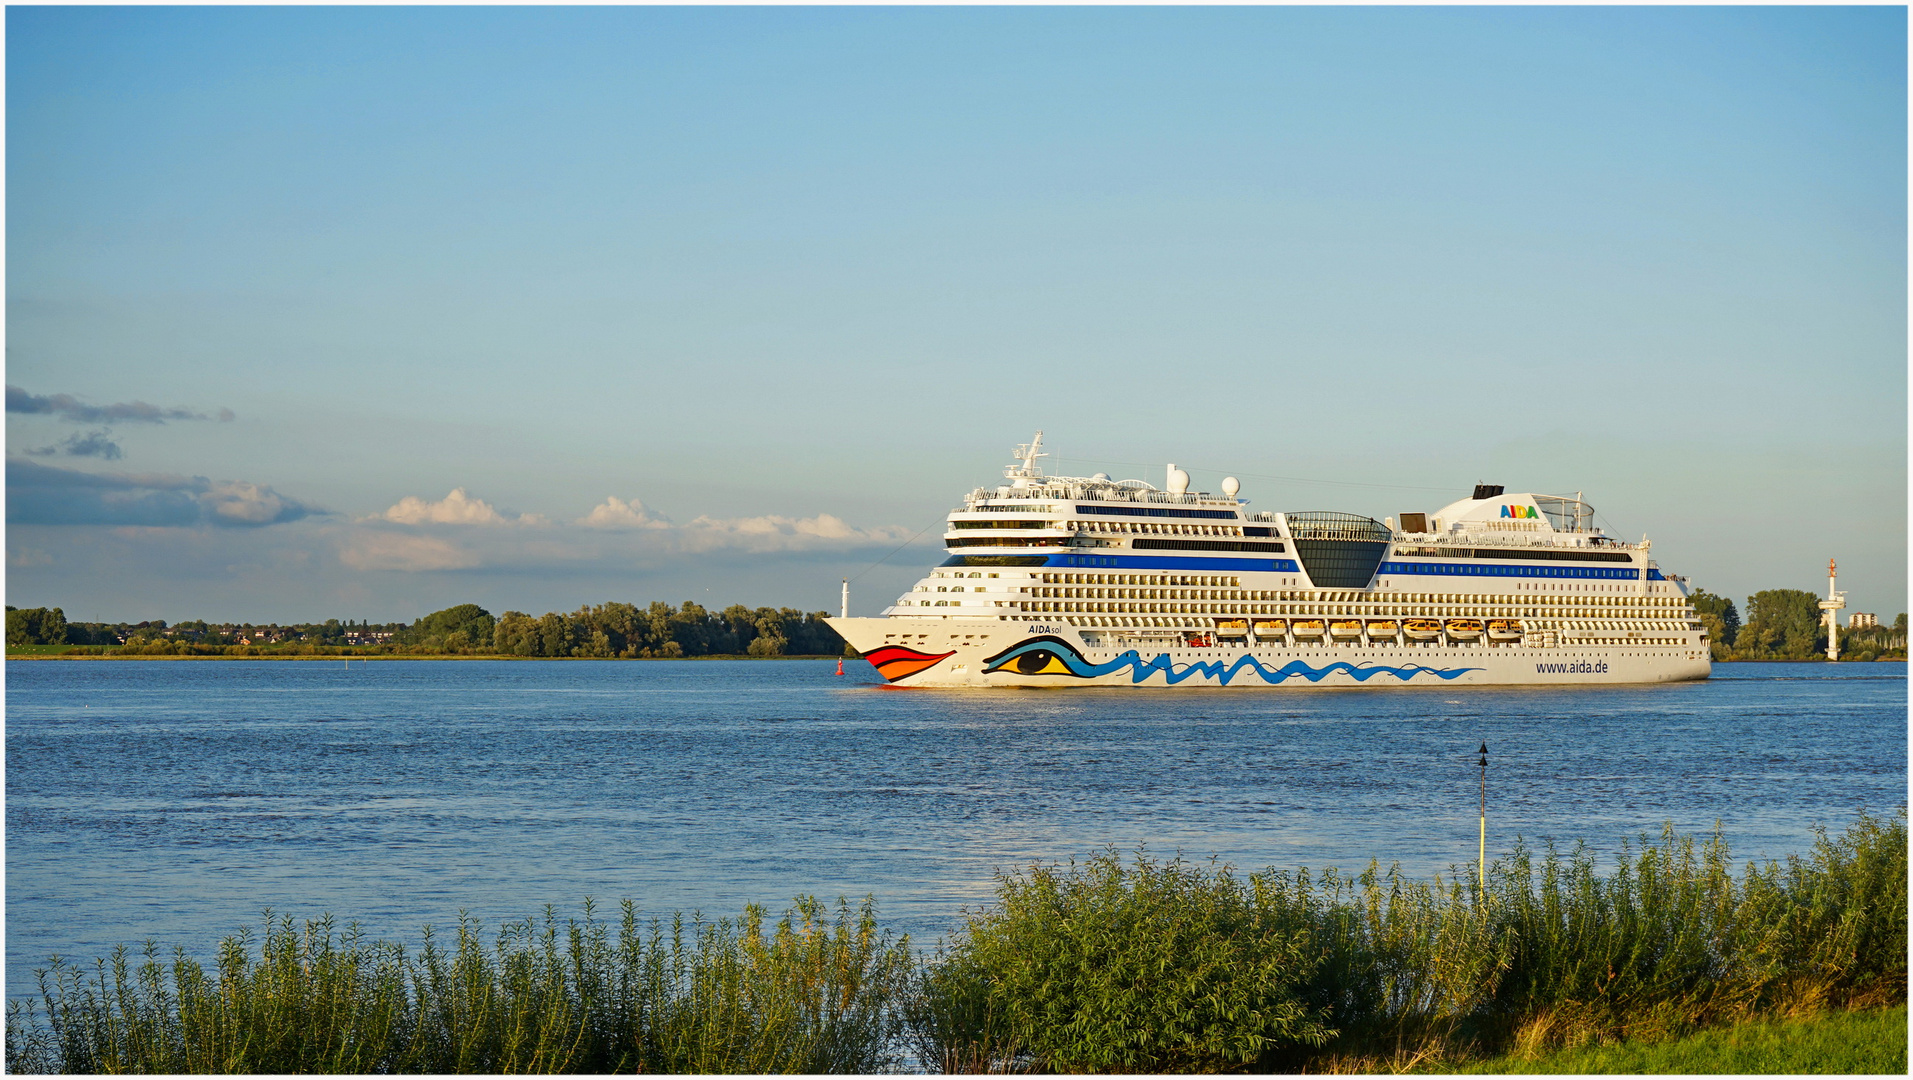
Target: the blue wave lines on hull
(1223, 672)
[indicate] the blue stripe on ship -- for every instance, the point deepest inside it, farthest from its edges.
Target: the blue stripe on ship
(1445, 569)
(1173, 562)
(1155, 511)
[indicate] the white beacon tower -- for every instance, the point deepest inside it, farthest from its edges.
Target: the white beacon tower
(1831, 607)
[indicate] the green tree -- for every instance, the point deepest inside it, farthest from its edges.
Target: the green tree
(91, 634)
(593, 643)
(622, 626)
(1782, 624)
(740, 628)
(1719, 615)
(1722, 620)
(516, 634)
(36, 626)
(810, 635)
(690, 627)
(554, 635)
(474, 622)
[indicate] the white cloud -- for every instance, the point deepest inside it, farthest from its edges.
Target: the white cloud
(616, 530)
(615, 513)
(236, 502)
(777, 533)
(456, 508)
(369, 550)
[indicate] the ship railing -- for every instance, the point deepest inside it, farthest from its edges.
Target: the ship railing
(1101, 493)
(1447, 540)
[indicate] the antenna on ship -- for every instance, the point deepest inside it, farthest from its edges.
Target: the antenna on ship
(1027, 453)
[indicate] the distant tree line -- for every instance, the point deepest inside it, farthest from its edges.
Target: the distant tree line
(1782, 624)
(49, 626)
(626, 630)
(1785, 624)
(605, 630)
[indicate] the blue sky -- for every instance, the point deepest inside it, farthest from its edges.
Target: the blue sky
(726, 304)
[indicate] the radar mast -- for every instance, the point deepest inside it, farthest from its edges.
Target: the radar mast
(1029, 469)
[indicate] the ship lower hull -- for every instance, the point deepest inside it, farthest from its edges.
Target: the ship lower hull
(954, 653)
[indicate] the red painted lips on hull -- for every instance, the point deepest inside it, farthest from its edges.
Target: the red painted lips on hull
(894, 662)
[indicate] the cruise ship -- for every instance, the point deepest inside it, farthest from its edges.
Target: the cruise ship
(1072, 581)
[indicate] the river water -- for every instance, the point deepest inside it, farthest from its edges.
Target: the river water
(173, 800)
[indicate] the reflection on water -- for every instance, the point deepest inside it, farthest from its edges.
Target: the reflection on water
(174, 800)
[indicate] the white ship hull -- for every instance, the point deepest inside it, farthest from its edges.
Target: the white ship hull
(979, 654)
(1088, 581)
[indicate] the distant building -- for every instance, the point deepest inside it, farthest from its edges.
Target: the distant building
(1862, 619)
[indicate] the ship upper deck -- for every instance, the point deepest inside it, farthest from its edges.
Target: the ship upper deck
(1487, 523)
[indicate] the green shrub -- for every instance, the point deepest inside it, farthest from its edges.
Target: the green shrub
(1106, 967)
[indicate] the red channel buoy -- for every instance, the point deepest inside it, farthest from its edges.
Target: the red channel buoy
(840, 667)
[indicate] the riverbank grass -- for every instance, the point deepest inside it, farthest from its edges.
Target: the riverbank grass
(810, 994)
(1844, 1042)
(1670, 962)
(1131, 965)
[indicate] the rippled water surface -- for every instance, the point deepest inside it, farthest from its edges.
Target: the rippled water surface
(174, 800)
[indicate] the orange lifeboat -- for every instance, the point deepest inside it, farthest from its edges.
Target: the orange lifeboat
(1232, 628)
(1345, 630)
(1463, 629)
(1421, 629)
(1504, 630)
(1306, 629)
(1271, 629)
(1382, 629)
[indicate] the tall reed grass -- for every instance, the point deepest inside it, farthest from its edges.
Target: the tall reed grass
(815, 993)
(1108, 965)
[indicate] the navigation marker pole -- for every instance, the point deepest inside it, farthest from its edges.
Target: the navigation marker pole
(1830, 609)
(1481, 868)
(846, 614)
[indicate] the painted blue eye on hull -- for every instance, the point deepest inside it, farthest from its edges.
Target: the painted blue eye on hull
(1045, 656)
(1054, 656)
